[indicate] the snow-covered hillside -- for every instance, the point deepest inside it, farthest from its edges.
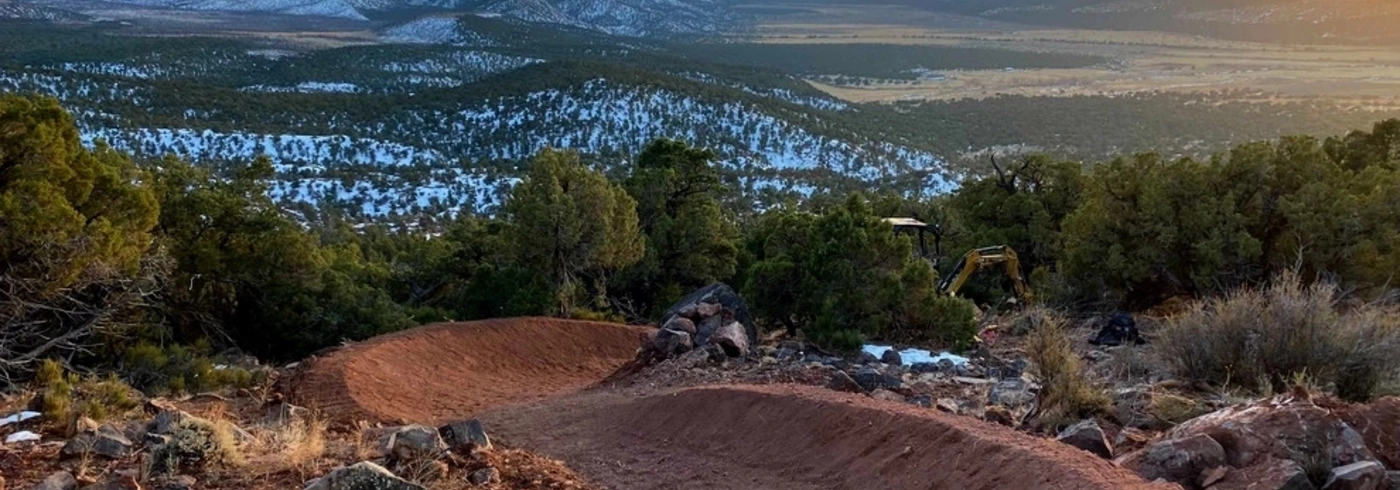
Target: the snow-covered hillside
(323, 8)
(636, 18)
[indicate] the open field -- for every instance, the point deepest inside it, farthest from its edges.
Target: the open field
(1139, 61)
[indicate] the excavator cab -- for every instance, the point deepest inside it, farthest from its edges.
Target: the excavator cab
(916, 229)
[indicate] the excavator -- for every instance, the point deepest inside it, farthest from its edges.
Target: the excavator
(973, 261)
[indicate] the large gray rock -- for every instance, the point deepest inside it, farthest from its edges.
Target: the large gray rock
(361, 476)
(1176, 460)
(679, 324)
(731, 304)
(671, 343)
(840, 381)
(484, 476)
(892, 358)
(1280, 428)
(1364, 475)
(1011, 393)
(1087, 435)
(1271, 474)
(106, 441)
(415, 441)
(871, 380)
(62, 480)
(464, 436)
(732, 339)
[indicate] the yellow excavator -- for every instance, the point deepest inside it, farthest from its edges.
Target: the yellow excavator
(972, 262)
(980, 258)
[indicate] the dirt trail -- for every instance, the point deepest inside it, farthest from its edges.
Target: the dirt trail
(784, 437)
(523, 376)
(439, 372)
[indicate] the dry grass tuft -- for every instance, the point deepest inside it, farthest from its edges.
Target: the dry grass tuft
(1262, 339)
(1066, 394)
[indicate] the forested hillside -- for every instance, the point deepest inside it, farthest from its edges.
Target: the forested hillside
(97, 245)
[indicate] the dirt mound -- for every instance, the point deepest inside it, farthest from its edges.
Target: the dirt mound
(439, 372)
(790, 437)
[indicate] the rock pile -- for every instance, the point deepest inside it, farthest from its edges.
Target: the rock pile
(1286, 442)
(714, 319)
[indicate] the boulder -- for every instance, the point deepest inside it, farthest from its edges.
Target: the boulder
(361, 476)
(1394, 479)
(679, 324)
(1176, 460)
(732, 339)
(1087, 435)
(671, 343)
(784, 354)
(106, 441)
(923, 400)
(716, 294)
(1272, 474)
(707, 328)
(1364, 475)
(892, 358)
(1281, 427)
(840, 381)
(871, 380)
(414, 441)
(62, 480)
(464, 436)
(997, 414)
(484, 476)
(924, 367)
(283, 413)
(1011, 393)
(867, 358)
(887, 395)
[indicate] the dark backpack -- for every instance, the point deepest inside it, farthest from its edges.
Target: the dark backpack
(1121, 329)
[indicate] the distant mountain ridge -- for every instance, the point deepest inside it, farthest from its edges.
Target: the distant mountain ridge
(634, 18)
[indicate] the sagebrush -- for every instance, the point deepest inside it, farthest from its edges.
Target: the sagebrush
(1260, 339)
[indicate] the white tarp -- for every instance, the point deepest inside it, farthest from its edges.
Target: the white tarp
(17, 418)
(914, 356)
(21, 436)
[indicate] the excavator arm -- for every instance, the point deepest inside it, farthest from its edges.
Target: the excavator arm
(981, 258)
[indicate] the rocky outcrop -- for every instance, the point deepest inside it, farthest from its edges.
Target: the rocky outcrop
(1269, 444)
(1180, 460)
(1087, 435)
(713, 315)
(361, 476)
(465, 436)
(106, 441)
(415, 441)
(1365, 475)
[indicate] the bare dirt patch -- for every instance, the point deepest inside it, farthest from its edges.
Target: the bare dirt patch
(448, 371)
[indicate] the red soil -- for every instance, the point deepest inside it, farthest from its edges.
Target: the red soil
(791, 437)
(449, 371)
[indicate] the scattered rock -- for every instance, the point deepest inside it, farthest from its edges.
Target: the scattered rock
(974, 381)
(1214, 475)
(892, 358)
(1280, 427)
(867, 358)
(464, 436)
(997, 414)
(1272, 474)
(1011, 393)
(1097, 356)
(361, 476)
(924, 367)
(283, 413)
(1176, 460)
(1087, 435)
(695, 358)
(178, 482)
(1394, 479)
(947, 405)
(784, 354)
(413, 441)
(671, 343)
(62, 480)
(887, 395)
(871, 380)
(680, 324)
(106, 441)
(922, 400)
(732, 339)
(1364, 475)
(840, 381)
(485, 476)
